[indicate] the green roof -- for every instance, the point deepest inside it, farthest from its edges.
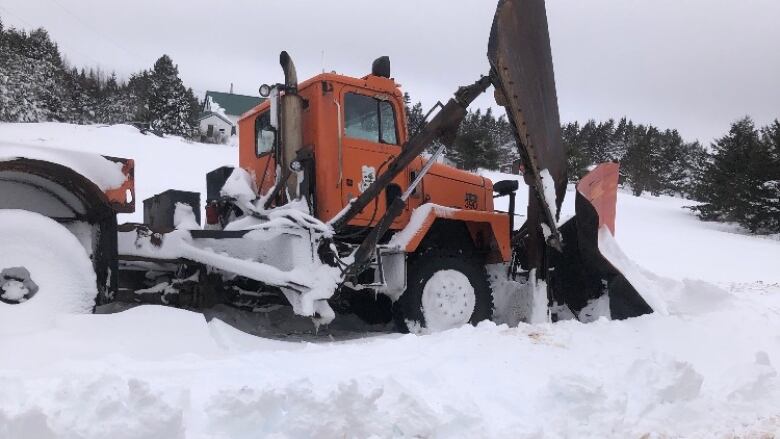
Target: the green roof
(234, 105)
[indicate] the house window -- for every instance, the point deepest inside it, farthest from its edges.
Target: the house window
(233, 130)
(370, 119)
(265, 134)
(210, 130)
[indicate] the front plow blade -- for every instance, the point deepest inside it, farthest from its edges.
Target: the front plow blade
(591, 264)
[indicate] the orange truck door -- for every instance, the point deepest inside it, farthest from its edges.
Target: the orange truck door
(371, 139)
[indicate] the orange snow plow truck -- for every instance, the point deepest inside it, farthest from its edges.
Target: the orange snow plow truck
(335, 208)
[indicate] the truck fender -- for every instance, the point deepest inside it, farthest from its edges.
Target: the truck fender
(489, 231)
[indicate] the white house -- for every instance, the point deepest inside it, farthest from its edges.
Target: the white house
(212, 124)
(221, 111)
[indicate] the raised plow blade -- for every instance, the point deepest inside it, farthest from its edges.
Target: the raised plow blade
(591, 264)
(579, 260)
(522, 70)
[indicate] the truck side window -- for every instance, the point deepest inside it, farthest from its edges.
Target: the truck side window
(369, 119)
(264, 134)
(387, 123)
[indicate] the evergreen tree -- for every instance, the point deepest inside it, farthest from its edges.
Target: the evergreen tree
(578, 160)
(415, 118)
(138, 91)
(504, 139)
(28, 77)
(598, 140)
(474, 146)
(641, 164)
(116, 105)
(765, 203)
(172, 107)
(740, 181)
(623, 131)
(37, 85)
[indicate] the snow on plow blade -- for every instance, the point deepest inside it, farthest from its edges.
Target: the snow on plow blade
(591, 264)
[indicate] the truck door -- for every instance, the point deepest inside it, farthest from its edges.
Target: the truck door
(371, 140)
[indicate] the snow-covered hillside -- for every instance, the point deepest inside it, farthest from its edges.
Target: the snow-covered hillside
(707, 370)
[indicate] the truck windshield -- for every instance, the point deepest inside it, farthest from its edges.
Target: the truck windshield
(370, 119)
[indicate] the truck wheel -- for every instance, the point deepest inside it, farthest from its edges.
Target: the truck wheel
(44, 271)
(444, 291)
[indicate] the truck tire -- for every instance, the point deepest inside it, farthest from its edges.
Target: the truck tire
(444, 290)
(44, 271)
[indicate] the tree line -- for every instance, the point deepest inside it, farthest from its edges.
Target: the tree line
(736, 180)
(37, 85)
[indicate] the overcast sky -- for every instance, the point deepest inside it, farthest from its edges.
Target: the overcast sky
(694, 65)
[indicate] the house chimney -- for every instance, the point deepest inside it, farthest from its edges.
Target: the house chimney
(231, 88)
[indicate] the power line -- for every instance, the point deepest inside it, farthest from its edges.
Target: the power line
(32, 26)
(16, 16)
(97, 31)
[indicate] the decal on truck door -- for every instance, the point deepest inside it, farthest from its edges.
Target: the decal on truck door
(471, 201)
(369, 176)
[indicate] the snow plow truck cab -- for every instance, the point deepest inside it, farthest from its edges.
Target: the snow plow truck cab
(351, 129)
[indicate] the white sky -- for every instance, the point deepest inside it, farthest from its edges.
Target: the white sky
(694, 65)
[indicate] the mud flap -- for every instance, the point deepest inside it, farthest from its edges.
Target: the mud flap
(582, 272)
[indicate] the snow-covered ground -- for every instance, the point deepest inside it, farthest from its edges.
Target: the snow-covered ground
(707, 370)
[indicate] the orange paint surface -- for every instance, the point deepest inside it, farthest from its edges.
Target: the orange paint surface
(600, 188)
(118, 198)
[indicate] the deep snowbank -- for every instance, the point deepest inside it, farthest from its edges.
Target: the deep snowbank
(154, 372)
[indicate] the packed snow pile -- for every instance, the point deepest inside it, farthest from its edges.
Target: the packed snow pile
(154, 372)
(706, 368)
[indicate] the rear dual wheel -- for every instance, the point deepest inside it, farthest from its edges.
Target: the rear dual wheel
(444, 290)
(44, 271)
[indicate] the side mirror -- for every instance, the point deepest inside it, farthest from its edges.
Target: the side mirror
(271, 92)
(381, 67)
(506, 187)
